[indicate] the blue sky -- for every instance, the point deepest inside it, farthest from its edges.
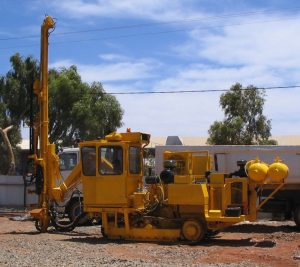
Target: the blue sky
(162, 45)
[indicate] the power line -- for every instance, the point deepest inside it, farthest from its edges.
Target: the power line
(141, 25)
(170, 31)
(198, 91)
(189, 91)
(171, 22)
(150, 33)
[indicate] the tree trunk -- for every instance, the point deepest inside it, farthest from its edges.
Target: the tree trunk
(11, 157)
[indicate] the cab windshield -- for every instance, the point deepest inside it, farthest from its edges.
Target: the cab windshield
(110, 160)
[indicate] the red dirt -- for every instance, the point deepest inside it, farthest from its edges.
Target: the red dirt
(257, 244)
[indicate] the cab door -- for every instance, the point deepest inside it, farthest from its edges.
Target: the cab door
(105, 186)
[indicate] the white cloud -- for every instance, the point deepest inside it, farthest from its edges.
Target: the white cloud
(160, 10)
(113, 57)
(193, 113)
(113, 71)
(282, 107)
(203, 77)
(264, 54)
(175, 114)
(270, 44)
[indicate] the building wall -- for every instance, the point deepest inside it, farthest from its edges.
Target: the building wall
(12, 192)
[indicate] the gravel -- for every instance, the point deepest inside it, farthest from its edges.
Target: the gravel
(265, 244)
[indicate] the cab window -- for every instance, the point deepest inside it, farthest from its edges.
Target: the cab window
(134, 160)
(88, 156)
(110, 160)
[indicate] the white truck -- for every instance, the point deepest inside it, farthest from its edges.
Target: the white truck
(68, 159)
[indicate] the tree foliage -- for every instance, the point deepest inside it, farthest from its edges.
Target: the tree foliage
(14, 94)
(79, 110)
(76, 109)
(244, 122)
(14, 109)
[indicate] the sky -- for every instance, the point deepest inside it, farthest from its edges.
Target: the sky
(168, 45)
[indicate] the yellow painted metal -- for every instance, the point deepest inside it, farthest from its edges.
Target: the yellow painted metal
(257, 170)
(133, 137)
(117, 189)
(36, 213)
(215, 196)
(73, 179)
(227, 219)
(215, 213)
(148, 233)
(270, 196)
(217, 178)
(114, 137)
(187, 194)
(144, 234)
(45, 157)
(190, 162)
(183, 179)
(195, 202)
(201, 163)
(278, 171)
(223, 195)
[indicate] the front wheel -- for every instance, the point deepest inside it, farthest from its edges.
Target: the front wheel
(74, 210)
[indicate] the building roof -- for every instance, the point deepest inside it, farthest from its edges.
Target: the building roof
(283, 140)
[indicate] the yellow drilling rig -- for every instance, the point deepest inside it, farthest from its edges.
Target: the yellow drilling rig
(186, 201)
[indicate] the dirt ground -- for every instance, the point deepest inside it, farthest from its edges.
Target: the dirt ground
(265, 243)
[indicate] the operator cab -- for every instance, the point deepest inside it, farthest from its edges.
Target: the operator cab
(112, 168)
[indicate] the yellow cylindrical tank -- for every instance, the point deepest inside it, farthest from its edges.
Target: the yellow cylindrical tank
(278, 171)
(257, 170)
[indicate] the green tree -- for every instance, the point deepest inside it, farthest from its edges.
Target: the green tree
(244, 122)
(80, 110)
(14, 94)
(76, 109)
(14, 88)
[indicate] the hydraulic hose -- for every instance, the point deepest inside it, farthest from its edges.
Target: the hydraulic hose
(63, 227)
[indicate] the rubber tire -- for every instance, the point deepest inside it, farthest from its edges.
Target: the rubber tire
(73, 212)
(297, 216)
(199, 226)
